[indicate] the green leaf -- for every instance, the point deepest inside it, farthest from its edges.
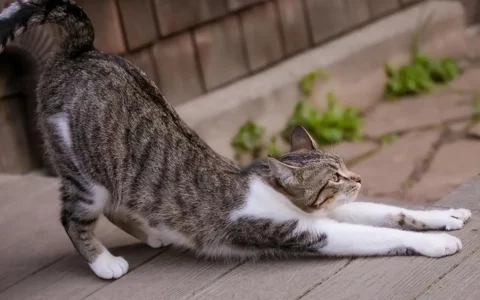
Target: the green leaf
(248, 140)
(476, 109)
(336, 123)
(388, 139)
(273, 149)
(420, 76)
(307, 81)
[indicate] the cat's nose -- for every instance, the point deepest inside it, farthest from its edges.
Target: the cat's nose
(355, 177)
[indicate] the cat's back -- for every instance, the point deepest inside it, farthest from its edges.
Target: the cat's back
(97, 80)
(118, 121)
(111, 109)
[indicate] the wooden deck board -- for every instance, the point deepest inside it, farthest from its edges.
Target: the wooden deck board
(37, 244)
(29, 239)
(70, 277)
(394, 277)
(172, 275)
(277, 279)
(37, 261)
(462, 283)
(466, 196)
(7, 179)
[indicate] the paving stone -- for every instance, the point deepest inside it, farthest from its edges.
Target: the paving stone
(177, 70)
(106, 21)
(237, 4)
(358, 11)
(139, 22)
(407, 114)
(458, 128)
(453, 164)
(468, 81)
(221, 52)
(475, 131)
(352, 150)
(334, 18)
(262, 36)
(175, 15)
(473, 43)
(144, 60)
(387, 170)
(382, 7)
(294, 26)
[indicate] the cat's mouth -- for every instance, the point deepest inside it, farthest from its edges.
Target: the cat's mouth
(358, 186)
(355, 190)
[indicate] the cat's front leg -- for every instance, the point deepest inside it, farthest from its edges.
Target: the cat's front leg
(359, 240)
(381, 215)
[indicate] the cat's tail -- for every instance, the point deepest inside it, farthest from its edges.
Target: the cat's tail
(24, 14)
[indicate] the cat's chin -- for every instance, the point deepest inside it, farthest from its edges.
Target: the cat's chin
(343, 199)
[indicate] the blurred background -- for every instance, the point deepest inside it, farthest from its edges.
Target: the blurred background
(391, 85)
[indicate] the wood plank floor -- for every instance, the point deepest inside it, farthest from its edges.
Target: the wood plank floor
(37, 261)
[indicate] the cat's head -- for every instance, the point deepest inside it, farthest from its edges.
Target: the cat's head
(311, 178)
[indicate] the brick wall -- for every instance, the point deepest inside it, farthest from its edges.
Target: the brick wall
(190, 47)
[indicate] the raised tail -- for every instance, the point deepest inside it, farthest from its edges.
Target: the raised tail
(24, 14)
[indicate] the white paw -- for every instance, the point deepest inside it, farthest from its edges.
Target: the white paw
(438, 245)
(449, 223)
(107, 266)
(452, 219)
(154, 242)
(461, 214)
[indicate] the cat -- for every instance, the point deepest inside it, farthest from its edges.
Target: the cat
(121, 150)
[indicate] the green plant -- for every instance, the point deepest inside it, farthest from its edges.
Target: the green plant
(476, 109)
(248, 140)
(388, 139)
(335, 124)
(441, 70)
(273, 149)
(308, 80)
(423, 74)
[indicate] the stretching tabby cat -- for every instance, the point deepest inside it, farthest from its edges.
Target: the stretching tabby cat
(121, 150)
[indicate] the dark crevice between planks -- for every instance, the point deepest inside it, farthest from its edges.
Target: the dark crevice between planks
(327, 278)
(431, 285)
(161, 251)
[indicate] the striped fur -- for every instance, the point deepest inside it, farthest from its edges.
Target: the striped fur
(24, 14)
(121, 150)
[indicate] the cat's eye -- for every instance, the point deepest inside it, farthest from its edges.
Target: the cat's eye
(335, 178)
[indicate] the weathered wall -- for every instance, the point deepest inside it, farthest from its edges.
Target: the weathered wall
(191, 47)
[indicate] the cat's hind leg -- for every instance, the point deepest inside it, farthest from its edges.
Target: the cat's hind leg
(136, 228)
(82, 201)
(82, 205)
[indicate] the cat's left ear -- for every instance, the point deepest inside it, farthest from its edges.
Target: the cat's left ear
(283, 172)
(302, 140)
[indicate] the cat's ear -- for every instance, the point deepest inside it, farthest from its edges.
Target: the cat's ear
(283, 172)
(301, 140)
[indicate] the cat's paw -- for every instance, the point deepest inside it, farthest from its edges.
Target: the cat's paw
(107, 266)
(460, 214)
(438, 245)
(451, 219)
(154, 242)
